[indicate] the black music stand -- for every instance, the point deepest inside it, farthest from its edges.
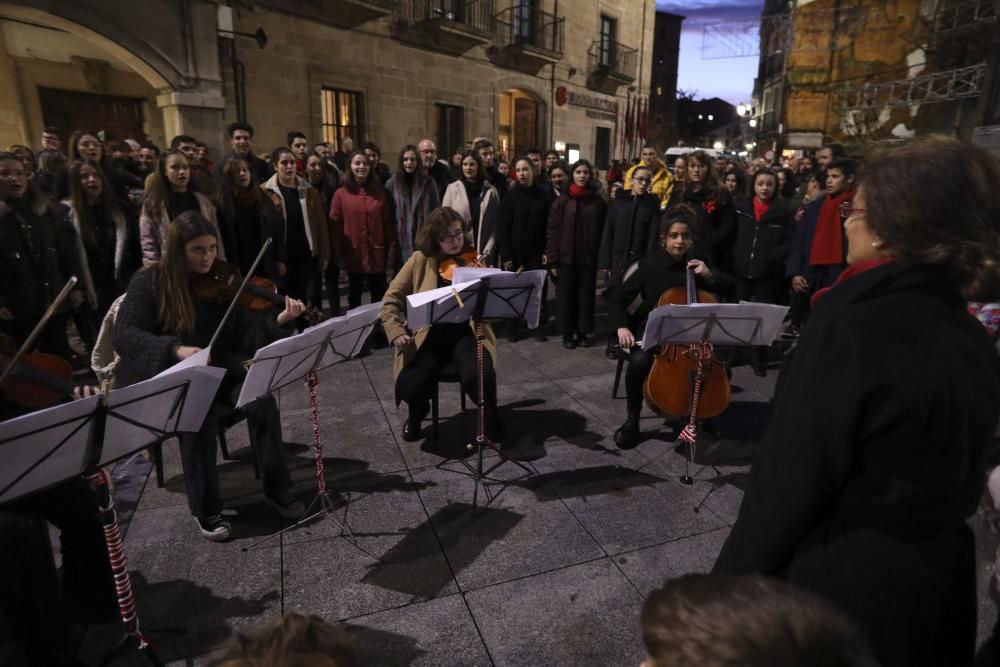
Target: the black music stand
(48, 447)
(290, 360)
(491, 295)
(703, 326)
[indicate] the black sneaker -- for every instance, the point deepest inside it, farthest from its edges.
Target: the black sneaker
(288, 506)
(569, 343)
(213, 528)
(585, 341)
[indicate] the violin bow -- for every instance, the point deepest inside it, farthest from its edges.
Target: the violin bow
(236, 297)
(36, 332)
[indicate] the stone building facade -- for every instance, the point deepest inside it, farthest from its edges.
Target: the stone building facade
(523, 72)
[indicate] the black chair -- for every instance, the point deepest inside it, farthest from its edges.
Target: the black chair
(227, 419)
(449, 375)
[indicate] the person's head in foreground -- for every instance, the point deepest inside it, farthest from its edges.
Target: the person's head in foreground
(711, 620)
(296, 640)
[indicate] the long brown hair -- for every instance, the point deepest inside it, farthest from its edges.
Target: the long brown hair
(177, 314)
(227, 191)
(78, 199)
(418, 175)
(158, 194)
(371, 184)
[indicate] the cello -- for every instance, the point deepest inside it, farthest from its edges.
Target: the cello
(669, 387)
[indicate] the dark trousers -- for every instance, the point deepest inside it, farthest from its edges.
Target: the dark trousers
(201, 479)
(332, 280)
(818, 277)
(31, 613)
(640, 362)
(576, 292)
(447, 344)
(299, 279)
(377, 284)
(769, 289)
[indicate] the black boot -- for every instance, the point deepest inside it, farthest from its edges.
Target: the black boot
(627, 435)
(411, 427)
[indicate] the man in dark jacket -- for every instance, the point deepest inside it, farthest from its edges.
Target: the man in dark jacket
(241, 139)
(379, 168)
(438, 170)
(488, 155)
(37, 256)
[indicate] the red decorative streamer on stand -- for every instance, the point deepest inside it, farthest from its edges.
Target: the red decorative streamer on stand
(690, 432)
(313, 381)
(116, 555)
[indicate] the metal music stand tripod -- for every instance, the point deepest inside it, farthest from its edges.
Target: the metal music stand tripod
(48, 447)
(492, 295)
(702, 326)
(290, 360)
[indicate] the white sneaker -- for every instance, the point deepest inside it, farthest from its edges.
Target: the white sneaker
(213, 528)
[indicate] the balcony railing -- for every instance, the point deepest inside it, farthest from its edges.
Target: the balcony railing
(525, 26)
(474, 15)
(613, 59)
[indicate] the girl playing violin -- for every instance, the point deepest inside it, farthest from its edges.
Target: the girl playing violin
(160, 322)
(420, 356)
(664, 268)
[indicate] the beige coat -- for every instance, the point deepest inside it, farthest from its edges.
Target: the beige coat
(419, 274)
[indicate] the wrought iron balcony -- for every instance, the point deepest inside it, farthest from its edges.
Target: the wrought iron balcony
(452, 26)
(612, 64)
(528, 38)
(341, 13)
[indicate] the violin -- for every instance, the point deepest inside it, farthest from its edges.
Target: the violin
(467, 258)
(37, 380)
(670, 383)
(222, 281)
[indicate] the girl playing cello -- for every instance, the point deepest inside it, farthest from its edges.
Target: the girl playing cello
(663, 269)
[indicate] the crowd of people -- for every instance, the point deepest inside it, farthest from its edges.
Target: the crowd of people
(882, 262)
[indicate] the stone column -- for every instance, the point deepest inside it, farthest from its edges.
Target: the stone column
(200, 115)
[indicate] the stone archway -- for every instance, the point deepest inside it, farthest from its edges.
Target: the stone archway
(176, 63)
(521, 121)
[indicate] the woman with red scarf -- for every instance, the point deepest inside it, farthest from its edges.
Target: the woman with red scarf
(702, 190)
(764, 233)
(573, 240)
(883, 415)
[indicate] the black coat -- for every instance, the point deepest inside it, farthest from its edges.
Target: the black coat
(574, 230)
(874, 460)
(760, 248)
(717, 222)
(146, 349)
(267, 222)
(34, 265)
(259, 168)
(653, 276)
(631, 232)
(521, 225)
(441, 174)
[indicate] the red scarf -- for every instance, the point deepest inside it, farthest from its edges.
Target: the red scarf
(578, 192)
(759, 208)
(300, 167)
(850, 272)
(828, 241)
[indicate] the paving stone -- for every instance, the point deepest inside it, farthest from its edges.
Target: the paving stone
(439, 632)
(515, 537)
(587, 614)
(324, 574)
(622, 506)
(204, 589)
(649, 567)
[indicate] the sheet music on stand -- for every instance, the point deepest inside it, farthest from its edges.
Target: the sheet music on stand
(512, 296)
(46, 447)
(742, 324)
(289, 359)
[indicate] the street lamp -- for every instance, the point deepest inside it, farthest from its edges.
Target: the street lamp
(753, 122)
(742, 110)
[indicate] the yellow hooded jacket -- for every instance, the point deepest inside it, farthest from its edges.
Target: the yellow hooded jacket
(663, 181)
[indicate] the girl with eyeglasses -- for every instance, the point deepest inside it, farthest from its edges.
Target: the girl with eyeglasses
(421, 355)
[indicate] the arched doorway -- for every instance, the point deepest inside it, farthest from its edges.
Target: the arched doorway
(82, 64)
(520, 122)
